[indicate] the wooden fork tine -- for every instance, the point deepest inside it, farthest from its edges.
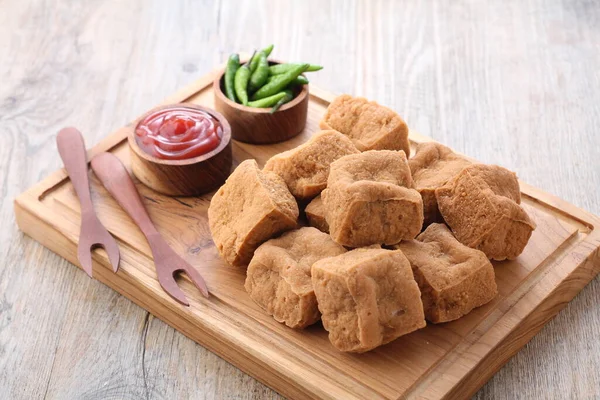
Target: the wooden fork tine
(196, 278)
(168, 263)
(84, 255)
(112, 251)
(94, 234)
(168, 283)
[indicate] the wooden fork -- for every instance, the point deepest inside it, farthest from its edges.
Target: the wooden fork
(92, 233)
(116, 180)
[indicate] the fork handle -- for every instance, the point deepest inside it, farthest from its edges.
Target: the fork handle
(116, 180)
(72, 151)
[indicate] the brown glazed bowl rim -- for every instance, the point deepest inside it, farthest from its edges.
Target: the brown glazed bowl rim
(240, 107)
(225, 139)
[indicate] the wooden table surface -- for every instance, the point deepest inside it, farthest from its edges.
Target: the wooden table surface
(515, 83)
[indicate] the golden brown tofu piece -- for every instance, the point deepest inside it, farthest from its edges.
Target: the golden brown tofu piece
(481, 206)
(373, 246)
(453, 278)
(250, 208)
(306, 167)
(370, 125)
(315, 213)
(370, 199)
(279, 278)
(432, 166)
(367, 297)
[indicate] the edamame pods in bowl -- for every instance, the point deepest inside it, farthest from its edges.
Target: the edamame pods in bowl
(264, 100)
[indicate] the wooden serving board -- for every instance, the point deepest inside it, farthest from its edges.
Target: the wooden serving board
(450, 360)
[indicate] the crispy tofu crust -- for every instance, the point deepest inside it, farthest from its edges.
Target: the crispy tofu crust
(250, 208)
(453, 278)
(370, 199)
(432, 166)
(370, 125)
(315, 213)
(367, 298)
(481, 206)
(306, 167)
(279, 276)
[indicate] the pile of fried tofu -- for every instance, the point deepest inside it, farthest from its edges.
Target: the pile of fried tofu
(349, 230)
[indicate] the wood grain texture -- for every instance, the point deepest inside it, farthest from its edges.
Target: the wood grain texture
(514, 83)
(450, 360)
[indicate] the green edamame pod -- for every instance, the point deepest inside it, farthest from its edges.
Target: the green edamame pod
(288, 96)
(254, 61)
(267, 101)
(240, 83)
(260, 75)
(233, 64)
(267, 50)
(301, 80)
(283, 68)
(279, 83)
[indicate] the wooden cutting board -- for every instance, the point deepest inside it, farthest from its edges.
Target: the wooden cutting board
(450, 360)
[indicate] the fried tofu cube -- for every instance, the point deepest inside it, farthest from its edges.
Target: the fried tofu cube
(250, 208)
(370, 199)
(453, 278)
(367, 298)
(279, 276)
(306, 167)
(481, 206)
(315, 213)
(373, 246)
(432, 166)
(370, 125)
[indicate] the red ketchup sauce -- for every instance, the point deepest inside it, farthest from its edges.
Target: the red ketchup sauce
(178, 133)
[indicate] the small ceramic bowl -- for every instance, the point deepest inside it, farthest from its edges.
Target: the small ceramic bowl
(258, 125)
(188, 177)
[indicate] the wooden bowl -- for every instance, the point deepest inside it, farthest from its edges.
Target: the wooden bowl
(190, 177)
(258, 125)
